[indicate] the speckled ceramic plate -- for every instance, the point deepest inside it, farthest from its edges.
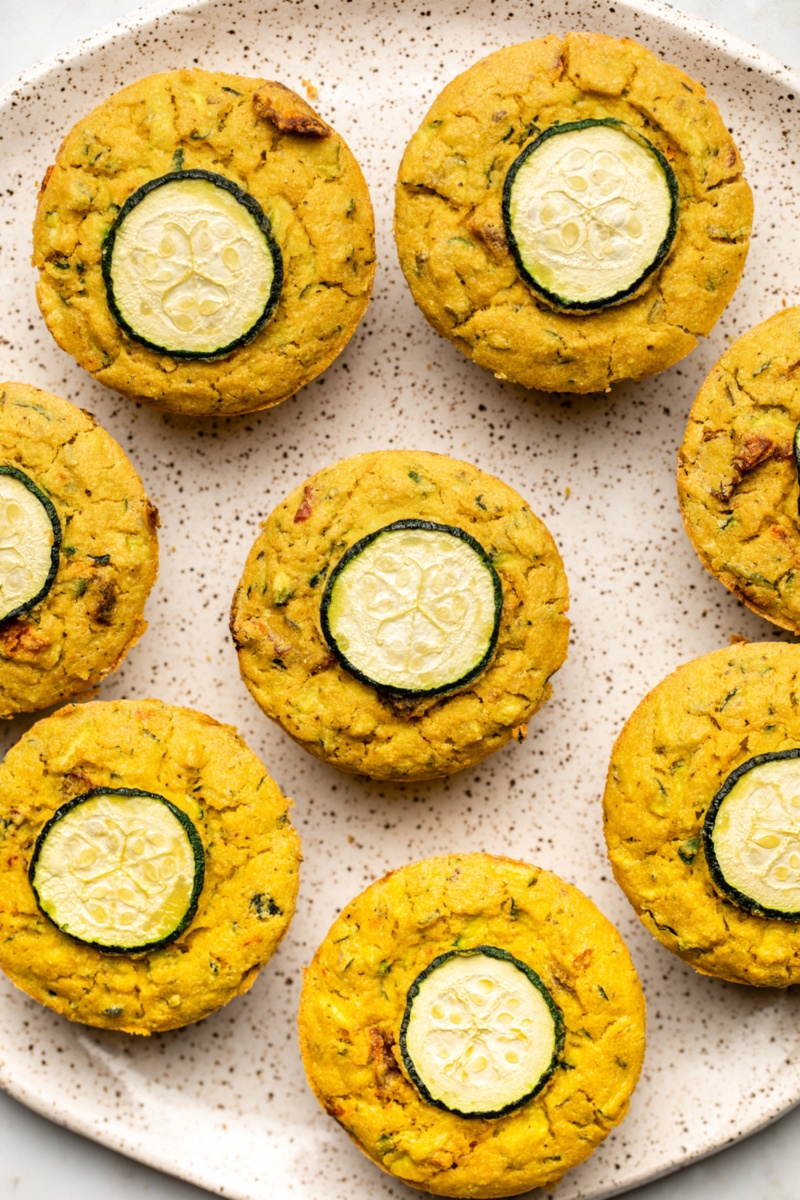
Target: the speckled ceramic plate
(225, 1103)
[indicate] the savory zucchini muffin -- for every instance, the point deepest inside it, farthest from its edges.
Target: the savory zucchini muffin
(400, 615)
(78, 550)
(205, 243)
(475, 1024)
(738, 470)
(571, 213)
(149, 869)
(702, 812)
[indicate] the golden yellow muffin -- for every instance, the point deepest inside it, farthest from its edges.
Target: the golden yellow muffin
(737, 472)
(267, 143)
(286, 661)
(252, 855)
(671, 759)
(452, 237)
(355, 995)
(106, 564)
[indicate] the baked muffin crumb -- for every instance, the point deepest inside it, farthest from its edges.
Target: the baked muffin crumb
(668, 763)
(108, 561)
(287, 664)
(737, 471)
(252, 855)
(354, 996)
(257, 135)
(451, 236)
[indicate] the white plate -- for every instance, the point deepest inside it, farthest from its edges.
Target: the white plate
(225, 1104)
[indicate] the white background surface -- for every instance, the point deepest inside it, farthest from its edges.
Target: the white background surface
(39, 1159)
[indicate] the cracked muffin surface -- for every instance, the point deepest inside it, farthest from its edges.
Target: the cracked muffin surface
(270, 143)
(93, 613)
(671, 758)
(451, 236)
(737, 474)
(354, 996)
(285, 660)
(252, 855)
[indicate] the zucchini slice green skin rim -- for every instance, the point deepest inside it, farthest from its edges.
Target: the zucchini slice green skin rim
(354, 551)
(55, 552)
(261, 219)
(559, 302)
(555, 1012)
(796, 447)
(197, 851)
(739, 898)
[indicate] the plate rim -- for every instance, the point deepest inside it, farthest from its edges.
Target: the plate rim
(706, 31)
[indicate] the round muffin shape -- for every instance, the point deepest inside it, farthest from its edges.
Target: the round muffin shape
(30, 542)
(356, 992)
(452, 240)
(288, 666)
(751, 835)
(89, 614)
(738, 470)
(413, 609)
(590, 210)
(119, 869)
(251, 863)
(679, 750)
(285, 161)
(191, 267)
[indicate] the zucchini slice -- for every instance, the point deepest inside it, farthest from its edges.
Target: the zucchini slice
(796, 448)
(191, 266)
(751, 835)
(30, 543)
(590, 211)
(413, 609)
(481, 1034)
(119, 869)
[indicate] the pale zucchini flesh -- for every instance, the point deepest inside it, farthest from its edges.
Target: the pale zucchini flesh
(751, 835)
(30, 541)
(590, 210)
(190, 265)
(481, 1034)
(413, 609)
(120, 870)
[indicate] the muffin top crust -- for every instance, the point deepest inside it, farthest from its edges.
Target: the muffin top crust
(453, 241)
(670, 761)
(252, 855)
(286, 662)
(268, 145)
(738, 470)
(107, 560)
(356, 991)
